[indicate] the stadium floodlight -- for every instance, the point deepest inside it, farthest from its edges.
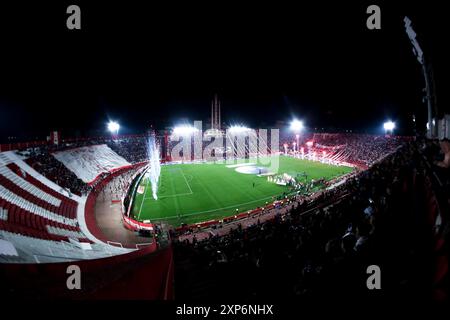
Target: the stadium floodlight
(238, 129)
(184, 130)
(389, 126)
(296, 125)
(113, 127)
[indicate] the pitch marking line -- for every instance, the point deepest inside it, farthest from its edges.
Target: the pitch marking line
(143, 199)
(189, 186)
(172, 196)
(193, 214)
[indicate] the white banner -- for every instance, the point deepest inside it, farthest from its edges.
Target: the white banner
(88, 162)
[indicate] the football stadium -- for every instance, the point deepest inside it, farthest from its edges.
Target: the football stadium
(196, 172)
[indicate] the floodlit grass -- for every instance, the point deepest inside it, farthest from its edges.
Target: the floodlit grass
(190, 193)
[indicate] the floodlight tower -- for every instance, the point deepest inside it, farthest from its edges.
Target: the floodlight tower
(425, 70)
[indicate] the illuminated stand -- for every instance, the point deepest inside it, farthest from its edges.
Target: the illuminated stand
(297, 127)
(285, 146)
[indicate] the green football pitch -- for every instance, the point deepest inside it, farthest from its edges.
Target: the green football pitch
(190, 193)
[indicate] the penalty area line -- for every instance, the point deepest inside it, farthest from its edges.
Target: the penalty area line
(189, 186)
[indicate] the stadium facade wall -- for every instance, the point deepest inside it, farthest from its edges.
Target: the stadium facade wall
(139, 275)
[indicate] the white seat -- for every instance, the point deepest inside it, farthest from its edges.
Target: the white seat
(65, 233)
(33, 208)
(3, 214)
(29, 187)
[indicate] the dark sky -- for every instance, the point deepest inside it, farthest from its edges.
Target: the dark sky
(158, 63)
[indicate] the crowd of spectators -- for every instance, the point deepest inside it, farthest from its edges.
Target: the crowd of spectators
(43, 162)
(381, 220)
(322, 246)
(358, 149)
(133, 149)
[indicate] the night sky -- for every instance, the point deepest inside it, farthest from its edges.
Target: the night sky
(163, 62)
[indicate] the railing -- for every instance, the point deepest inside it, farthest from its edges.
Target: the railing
(114, 243)
(139, 245)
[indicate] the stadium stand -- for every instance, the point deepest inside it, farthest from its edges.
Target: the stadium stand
(361, 150)
(39, 221)
(132, 148)
(308, 253)
(89, 162)
(358, 149)
(43, 162)
(39, 226)
(393, 214)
